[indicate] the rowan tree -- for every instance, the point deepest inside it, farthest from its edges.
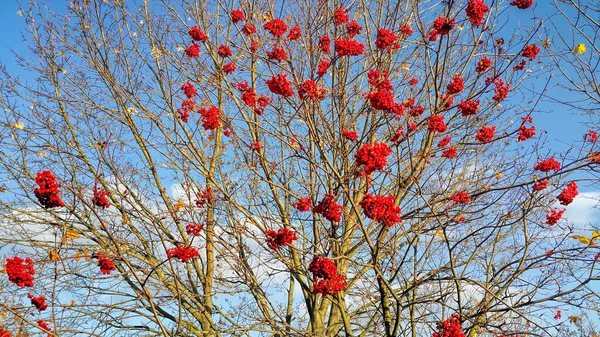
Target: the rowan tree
(297, 168)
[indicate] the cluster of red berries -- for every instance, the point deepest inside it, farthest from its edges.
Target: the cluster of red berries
(522, 4)
(276, 27)
(204, 197)
(371, 158)
(483, 65)
(278, 54)
(237, 15)
(350, 135)
(106, 264)
(456, 86)
(485, 134)
(501, 90)
(47, 193)
(436, 123)
(468, 108)
(449, 328)
(441, 26)
(309, 89)
(194, 229)
(39, 302)
(100, 198)
(386, 39)
(326, 280)
(281, 238)
(554, 216)
(184, 254)
(591, 136)
(189, 104)
(348, 47)
(251, 99)
(540, 185)
(547, 165)
(322, 67)
(280, 85)
(476, 10)
(340, 16)
(329, 209)
(525, 132)
(461, 197)
(20, 272)
(530, 51)
(210, 118)
(303, 204)
(381, 209)
(569, 193)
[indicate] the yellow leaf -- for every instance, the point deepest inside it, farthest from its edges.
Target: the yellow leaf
(72, 303)
(179, 205)
(404, 67)
(574, 319)
(498, 175)
(72, 235)
(86, 254)
(582, 239)
(440, 234)
(595, 235)
(579, 49)
(3, 315)
(19, 125)
(78, 256)
(63, 240)
(53, 256)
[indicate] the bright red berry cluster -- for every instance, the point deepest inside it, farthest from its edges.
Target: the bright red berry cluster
(248, 29)
(371, 158)
(530, 51)
(47, 193)
(322, 67)
(5, 333)
(569, 193)
(256, 146)
(591, 136)
(406, 30)
(329, 209)
(449, 328)
(386, 39)
(436, 123)
(525, 132)
(249, 97)
(204, 197)
(381, 209)
(522, 4)
(100, 198)
(237, 15)
(348, 47)
(310, 89)
(340, 16)
(501, 90)
(483, 65)
(229, 68)
(281, 238)
(326, 280)
(476, 10)
(461, 197)
(280, 85)
(456, 86)
(547, 165)
(193, 51)
(189, 90)
(350, 135)
(468, 108)
(44, 325)
(441, 26)
(295, 33)
(449, 153)
(303, 204)
(184, 254)
(276, 27)
(39, 302)
(210, 118)
(224, 51)
(540, 185)
(554, 216)
(485, 134)
(353, 28)
(197, 35)
(20, 272)
(106, 264)
(277, 54)
(194, 229)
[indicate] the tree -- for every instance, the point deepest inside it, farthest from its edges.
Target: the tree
(300, 168)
